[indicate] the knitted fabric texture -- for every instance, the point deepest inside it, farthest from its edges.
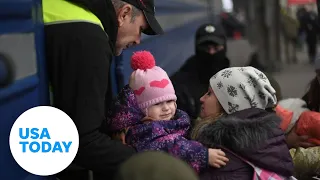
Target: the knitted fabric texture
(240, 88)
(150, 83)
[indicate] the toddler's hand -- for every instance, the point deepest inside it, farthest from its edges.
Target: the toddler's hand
(120, 136)
(217, 158)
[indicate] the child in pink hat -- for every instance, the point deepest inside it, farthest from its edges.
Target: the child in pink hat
(145, 116)
(152, 87)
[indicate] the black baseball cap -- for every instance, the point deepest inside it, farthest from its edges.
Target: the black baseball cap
(210, 33)
(148, 9)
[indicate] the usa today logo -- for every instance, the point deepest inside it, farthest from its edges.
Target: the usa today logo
(44, 140)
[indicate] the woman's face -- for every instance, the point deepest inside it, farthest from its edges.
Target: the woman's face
(210, 105)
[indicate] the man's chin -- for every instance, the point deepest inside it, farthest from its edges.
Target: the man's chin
(118, 52)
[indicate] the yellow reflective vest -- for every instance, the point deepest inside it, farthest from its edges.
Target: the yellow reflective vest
(61, 11)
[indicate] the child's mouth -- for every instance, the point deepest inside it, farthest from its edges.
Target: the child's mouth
(165, 116)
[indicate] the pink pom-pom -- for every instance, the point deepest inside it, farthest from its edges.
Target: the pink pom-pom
(142, 60)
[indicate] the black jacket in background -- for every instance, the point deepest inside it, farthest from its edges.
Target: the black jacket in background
(191, 82)
(309, 24)
(79, 56)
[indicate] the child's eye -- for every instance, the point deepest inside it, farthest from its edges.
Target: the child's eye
(157, 104)
(208, 93)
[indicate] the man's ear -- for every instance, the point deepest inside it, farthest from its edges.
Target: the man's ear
(124, 14)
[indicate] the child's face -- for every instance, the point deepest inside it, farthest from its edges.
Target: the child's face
(162, 111)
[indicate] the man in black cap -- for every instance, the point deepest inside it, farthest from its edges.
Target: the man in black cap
(81, 37)
(192, 80)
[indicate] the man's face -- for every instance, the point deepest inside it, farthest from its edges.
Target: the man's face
(211, 48)
(129, 30)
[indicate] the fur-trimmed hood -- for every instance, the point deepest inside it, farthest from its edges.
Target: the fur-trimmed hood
(253, 134)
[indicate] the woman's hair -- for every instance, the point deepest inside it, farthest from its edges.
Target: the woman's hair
(203, 122)
(312, 97)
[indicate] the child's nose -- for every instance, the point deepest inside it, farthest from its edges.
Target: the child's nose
(165, 106)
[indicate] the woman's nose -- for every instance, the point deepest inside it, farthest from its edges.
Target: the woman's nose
(202, 99)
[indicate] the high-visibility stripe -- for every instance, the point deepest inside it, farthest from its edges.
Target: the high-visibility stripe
(61, 11)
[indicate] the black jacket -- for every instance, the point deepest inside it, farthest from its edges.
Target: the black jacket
(79, 56)
(192, 81)
(309, 24)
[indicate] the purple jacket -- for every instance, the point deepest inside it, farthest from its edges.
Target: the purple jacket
(160, 135)
(252, 134)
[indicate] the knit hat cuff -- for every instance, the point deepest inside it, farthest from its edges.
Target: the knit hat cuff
(219, 94)
(154, 101)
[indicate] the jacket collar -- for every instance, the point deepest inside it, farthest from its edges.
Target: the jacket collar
(106, 13)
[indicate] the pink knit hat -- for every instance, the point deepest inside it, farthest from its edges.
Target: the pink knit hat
(150, 83)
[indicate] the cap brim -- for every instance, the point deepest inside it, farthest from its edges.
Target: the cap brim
(213, 39)
(154, 27)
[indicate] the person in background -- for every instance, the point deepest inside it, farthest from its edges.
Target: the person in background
(312, 97)
(81, 37)
(306, 162)
(155, 166)
(309, 26)
(301, 128)
(255, 62)
(191, 80)
(306, 155)
(296, 117)
(301, 12)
